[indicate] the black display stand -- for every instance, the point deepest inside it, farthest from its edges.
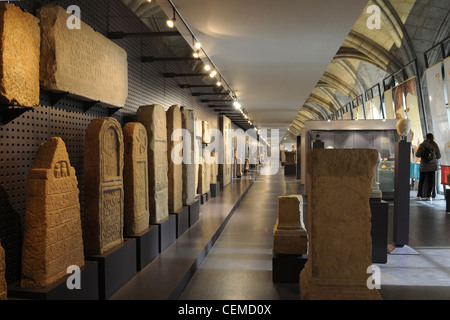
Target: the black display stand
(194, 211)
(58, 291)
(380, 212)
(286, 268)
(167, 231)
(115, 267)
(182, 217)
(290, 170)
(215, 190)
(147, 246)
(447, 200)
(205, 197)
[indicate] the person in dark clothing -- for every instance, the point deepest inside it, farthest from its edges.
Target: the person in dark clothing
(429, 153)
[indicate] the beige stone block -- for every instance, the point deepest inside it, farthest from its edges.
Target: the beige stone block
(52, 226)
(175, 170)
(82, 61)
(289, 234)
(339, 228)
(206, 132)
(3, 285)
(214, 168)
(153, 118)
(188, 170)
(20, 39)
(103, 186)
(135, 177)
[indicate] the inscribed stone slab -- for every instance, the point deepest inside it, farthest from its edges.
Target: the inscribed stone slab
(20, 39)
(82, 61)
(189, 190)
(153, 118)
(339, 229)
(225, 169)
(52, 229)
(3, 285)
(103, 186)
(175, 171)
(135, 177)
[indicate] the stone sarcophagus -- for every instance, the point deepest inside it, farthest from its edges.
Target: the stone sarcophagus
(135, 177)
(81, 62)
(153, 118)
(175, 169)
(20, 40)
(188, 170)
(52, 229)
(103, 186)
(339, 225)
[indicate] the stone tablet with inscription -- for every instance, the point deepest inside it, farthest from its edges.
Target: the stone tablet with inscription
(103, 186)
(175, 170)
(20, 40)
(153, 117)
(187, 122)
(135, 177)
(52, 229)
(3, 286)
(82, 61)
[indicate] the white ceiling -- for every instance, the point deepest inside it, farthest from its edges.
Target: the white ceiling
(272, 53)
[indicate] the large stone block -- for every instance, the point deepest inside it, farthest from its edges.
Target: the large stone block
(188, 171)
(135, 176)
(339, 227)
(175, 170)
(289, 234)
(103, 186)
(153, 118)
(225, 168)
(82, 61)
(20, 39)
(3, 285)
(52, 229)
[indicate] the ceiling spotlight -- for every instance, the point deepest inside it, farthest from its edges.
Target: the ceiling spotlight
(219, 83)
(207, 67)
(197, 45)
(196, 55)
(237, 105)
(213, 73)
(171, 22)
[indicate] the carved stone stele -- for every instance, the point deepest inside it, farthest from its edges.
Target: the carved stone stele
(103, 186)
(20, 39)
(214, 168)
(52, 229)
(81, 61)
(175, 170)
(339, 227)
(153, 118)
(135, 178)
(188, 171)
(289, 234)
(3, 285)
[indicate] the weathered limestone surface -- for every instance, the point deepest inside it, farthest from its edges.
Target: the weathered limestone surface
(82, 61)
(206, 132)
(376, 193)
(3, 285)
(20, 39)
(175, 170)
(289, 234)
(225, 169)
(153, 118)
(135, 178)
(214, 168)
(339, 228)
(204, 177)
(188, 170)
(52, 229)
(103, 186)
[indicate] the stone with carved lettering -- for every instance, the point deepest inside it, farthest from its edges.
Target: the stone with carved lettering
(3, 285)
(175, 168)
(52, 228)
(103, 186)
(339, 228)
(20, 39)
(81, 62)
(188, 171)
(153, 118)
(135, 177)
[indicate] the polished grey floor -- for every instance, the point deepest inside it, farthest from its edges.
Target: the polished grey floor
(239, 265)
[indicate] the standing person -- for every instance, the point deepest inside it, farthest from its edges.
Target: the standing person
(429, 153)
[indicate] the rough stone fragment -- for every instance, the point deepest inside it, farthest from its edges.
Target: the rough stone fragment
(103, 186)
(206, 132)
(52, 229)
(214, 168)
(175, 170)
(153, 118)
(82, 61)
(204, 177)
(225, 168)
(3, 285)
(20, 39)
(188, 170)
(289, 234)
(135, 178)
(339, 228)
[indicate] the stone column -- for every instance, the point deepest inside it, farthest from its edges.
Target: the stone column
(339, 228)
(135, 176)
(52, 227)
(103, 186)
(188, 170)
(3, 285)
(289, 234)
(153, 118)
(175, 171)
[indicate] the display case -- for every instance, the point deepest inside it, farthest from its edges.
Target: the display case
(386, 178)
